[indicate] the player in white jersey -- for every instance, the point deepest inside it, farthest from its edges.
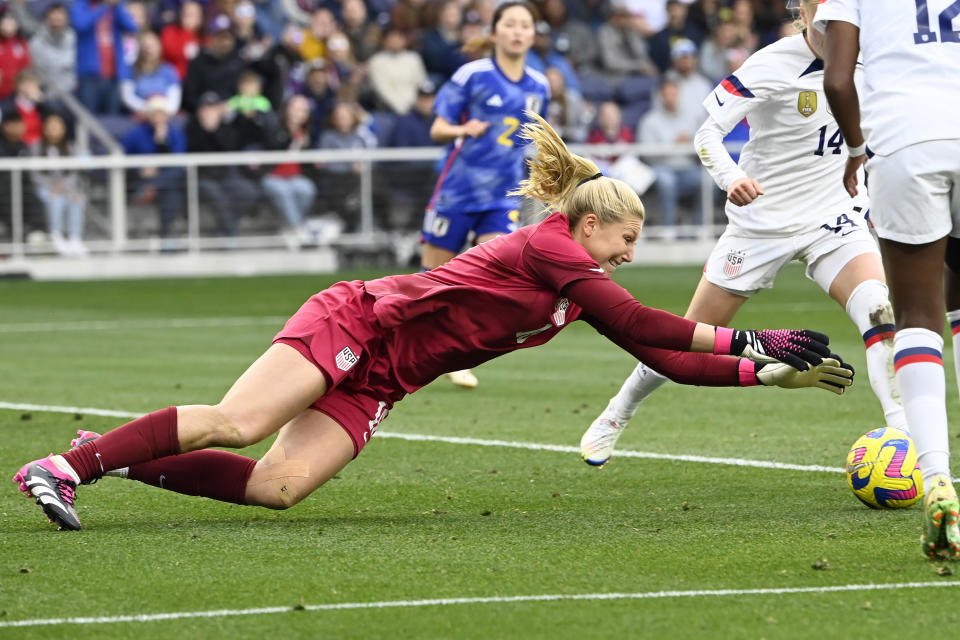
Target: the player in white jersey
(785, 202)
(911, 67)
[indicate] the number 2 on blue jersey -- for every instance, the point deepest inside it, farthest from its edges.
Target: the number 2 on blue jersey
(511, 125)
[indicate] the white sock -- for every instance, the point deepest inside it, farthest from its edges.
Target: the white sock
(66, 467)
(641, 382)
(869, 308)
(953, 317)
(918, 360)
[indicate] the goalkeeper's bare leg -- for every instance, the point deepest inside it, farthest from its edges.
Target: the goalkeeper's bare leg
(710, 305)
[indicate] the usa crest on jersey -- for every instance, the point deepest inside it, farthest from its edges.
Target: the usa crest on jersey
(734, 263)
(559, 316)
(346, 359)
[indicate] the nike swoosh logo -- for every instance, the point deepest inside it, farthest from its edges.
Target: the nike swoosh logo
(162, 478)
(598, 270)
(100, 462)
(846, 233)
(717, 98)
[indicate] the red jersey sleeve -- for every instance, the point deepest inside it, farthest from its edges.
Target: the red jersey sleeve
(606, 304)
(703, 369)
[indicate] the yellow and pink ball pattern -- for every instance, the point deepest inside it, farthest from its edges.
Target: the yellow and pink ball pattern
(882, 469)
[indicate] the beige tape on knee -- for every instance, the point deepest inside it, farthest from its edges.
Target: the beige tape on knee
(278, 470)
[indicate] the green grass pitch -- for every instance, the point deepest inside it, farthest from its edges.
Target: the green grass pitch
(412, 521)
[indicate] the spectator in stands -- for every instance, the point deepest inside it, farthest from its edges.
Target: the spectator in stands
(571, 36)
(28, 100)
(255, 48)
(100, 57)
(11, 140)
(410, 183)
(216, 68)
(623, 49)
(138, 11)
(288, 62)
(25, 12)
(411, 16)
(440, 46)
(543, 55)
(287, 186)
(346, 76)
(60, 190)
(744, 24)
(692, 84)
(14, 54)
(181, 40)
(413, 129)
(150, 76)
(364, 35)
(249, 112)
(483, 11)
(342, 179)
(648, 16)
(271, 18)
(609, 130)
(713, 55)
(322, 98)
(322, 26)
(11, 146)
(395, 73)
(708, 14)
(53, 49)
(676, 175)
(224, 188)
(162, 185)
(677, 27)
(247, 32)
(568, 114)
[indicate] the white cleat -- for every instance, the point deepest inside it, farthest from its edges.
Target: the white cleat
(463, 379)
(598, 441)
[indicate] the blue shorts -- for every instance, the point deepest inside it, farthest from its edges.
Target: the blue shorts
(450, 229)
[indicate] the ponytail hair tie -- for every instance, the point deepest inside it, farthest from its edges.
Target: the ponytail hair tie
(593, 177)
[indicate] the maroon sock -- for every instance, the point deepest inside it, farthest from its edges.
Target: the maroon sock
(210, 473)
(147, 438)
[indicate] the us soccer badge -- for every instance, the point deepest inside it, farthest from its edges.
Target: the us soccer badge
(807, 103)
(734, 263)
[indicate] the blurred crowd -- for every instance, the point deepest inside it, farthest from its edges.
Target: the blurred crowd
(228, 75)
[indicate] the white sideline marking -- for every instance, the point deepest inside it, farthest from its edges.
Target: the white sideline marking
(438, 602)
(119, 325)
(533, 446)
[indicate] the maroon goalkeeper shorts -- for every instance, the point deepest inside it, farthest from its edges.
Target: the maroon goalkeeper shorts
(337, 331)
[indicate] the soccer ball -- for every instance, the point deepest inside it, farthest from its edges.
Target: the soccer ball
(882, 469)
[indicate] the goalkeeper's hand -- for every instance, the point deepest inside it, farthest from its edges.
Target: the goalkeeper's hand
(797, 348)
(832, 374)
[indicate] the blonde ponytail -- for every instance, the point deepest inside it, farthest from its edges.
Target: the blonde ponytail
(565, 181)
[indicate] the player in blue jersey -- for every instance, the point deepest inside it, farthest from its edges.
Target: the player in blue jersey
(479, 111)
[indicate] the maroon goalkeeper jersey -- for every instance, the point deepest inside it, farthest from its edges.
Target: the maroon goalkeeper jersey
(518, 291)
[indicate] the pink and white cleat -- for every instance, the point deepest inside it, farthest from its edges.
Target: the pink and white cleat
(54, 484)
(83, 437)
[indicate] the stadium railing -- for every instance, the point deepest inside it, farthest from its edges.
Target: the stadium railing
(130, 225)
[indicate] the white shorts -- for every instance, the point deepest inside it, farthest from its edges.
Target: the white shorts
(915, 192)
(744, 265)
